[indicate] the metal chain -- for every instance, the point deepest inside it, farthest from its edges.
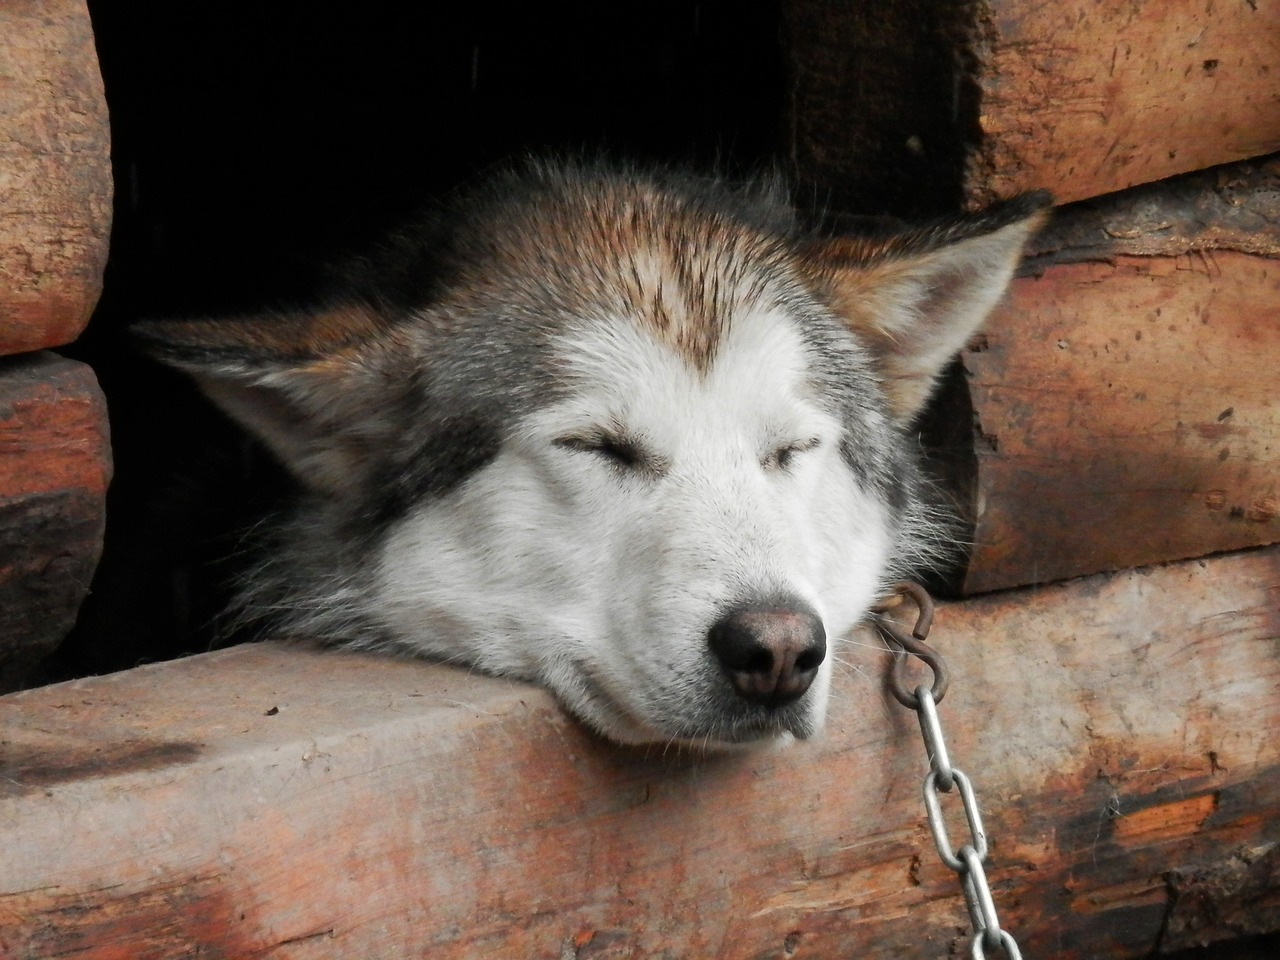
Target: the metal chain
(968, 860)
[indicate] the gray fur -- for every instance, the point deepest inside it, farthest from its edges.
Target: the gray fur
(409, 379)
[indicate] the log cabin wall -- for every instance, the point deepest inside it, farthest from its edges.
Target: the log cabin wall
(254, 143)
(1119, 412)
(1120, 408)
(55, 220)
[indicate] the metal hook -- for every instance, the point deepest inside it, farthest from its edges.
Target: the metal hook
(914, 645)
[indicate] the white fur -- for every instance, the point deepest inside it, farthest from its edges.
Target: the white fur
(555, 565)
(582, 512)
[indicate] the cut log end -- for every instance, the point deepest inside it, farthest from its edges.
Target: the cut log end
(55, 174)
(55, 463)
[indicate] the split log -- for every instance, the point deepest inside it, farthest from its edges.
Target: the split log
(276, 801)
(1124, 410)
(1083, 97)
(55, 174)
(55, 462)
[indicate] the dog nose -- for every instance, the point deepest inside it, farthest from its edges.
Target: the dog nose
(770, 653)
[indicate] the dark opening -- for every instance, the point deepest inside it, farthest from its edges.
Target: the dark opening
(253, 142)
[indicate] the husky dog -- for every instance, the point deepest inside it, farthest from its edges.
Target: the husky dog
(640, 437)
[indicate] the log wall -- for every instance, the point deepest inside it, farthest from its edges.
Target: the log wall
(1088, 98)
(55, 463)
(55, 174)
(55, 221)
(268, 801)
(1119, 408)
(1134, 420)
(1124, 396)
(925, 104)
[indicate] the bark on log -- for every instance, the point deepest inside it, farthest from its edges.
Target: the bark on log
(55, 174)
(55, 462)
(1235, 207)
(1082, 97)
(269, 801)
(1124, 410)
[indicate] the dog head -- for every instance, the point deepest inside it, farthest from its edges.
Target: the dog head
(640, 438)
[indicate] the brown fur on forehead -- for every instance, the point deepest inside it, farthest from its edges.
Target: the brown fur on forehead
(610, 247)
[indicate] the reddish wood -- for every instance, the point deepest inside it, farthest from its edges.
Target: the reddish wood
(1118, 409)
(1125, 414)
(55, 463)
(905, 106)
(1088, 97)
(269, 801)
(55, 173)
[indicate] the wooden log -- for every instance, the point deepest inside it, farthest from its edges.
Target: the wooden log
(275, 801)
(1084, 97)
(1087, 98)
(55, 463)
(1124, 409)
(55, 174)
(1236, 207)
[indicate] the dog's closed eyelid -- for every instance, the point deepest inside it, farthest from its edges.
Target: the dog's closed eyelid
(619, 450)
(782, 455)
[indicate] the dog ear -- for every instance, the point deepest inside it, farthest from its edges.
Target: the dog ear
(313, 387)
(916, 296)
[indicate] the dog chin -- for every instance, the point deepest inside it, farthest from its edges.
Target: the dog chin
(729, 735)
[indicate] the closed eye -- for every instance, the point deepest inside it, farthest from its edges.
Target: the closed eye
(620, 451)
(783, 456)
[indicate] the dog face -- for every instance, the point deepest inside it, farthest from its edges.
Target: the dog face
(639, 438)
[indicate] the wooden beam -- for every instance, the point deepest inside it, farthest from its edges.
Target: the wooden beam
(908, 106)
(55, 464)
(1132, 420)
(55, 174)
(1123, 403)
(1088, 97)
(268, 801)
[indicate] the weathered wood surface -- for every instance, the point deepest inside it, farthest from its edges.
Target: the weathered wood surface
(270, 801)
(1126, 410)
(1126, 413)
(903, 106)
(55, 463)
(1234, 207)
(1086, 98)
(55, 173)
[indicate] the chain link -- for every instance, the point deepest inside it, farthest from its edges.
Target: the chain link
(968, 860)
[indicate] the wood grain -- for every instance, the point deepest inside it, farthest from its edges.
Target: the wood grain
(269, 801)
(1234, 207)
(909, 107)
(1125, 413)
(1088, 97)
(55, 174)
(55, 464)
